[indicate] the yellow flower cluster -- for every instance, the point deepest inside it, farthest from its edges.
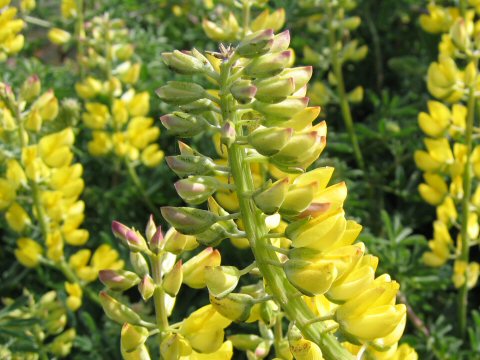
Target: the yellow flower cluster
(11, 41)
(116, 113)
(451, 161)
(40, 185)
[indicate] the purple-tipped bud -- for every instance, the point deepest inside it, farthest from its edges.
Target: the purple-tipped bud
(188, 221)
(146, 287)
(300, 75)
(183, 62)
(281, 41)
(282, 110)
(157, 241)
(119, 280)
(269, 64)
(120, 231)
(183, 124)
(196, 189)
(228, 134)
(256, 44)
(269, 141)
(274, 89)
(243, 91)
(31, 88)
(135, 241)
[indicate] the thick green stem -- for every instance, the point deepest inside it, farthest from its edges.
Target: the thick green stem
(467, 191)
(246, 17)
(342, 95)
(159, 294)
(284, 293)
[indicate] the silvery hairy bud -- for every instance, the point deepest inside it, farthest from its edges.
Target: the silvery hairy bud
(183, 124)
(256, 44)
(180, 93)
(188, 221)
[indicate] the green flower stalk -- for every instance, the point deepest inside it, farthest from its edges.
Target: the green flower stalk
(315, 257)
(450, 162)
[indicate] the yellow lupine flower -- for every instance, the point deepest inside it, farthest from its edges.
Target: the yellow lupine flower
(438, 19)
(74, 300)
(69, 9)
(447, 212)
(265, 20)
(372, 314)
(101, 143)
(204, 329)
(141, 132)
(89, 88)
(7, 193)
(137, 104)
(54, 243)
(17, 218)
(435, 189)
(461, 271)
(27, 5)
(437, 121)
(425, 161)
(131, 75)
(76, 237)
(443, 78)
(119, 112)
(446, 46)
(105, 257)
(97, 116)
(35, 168)
(59, 36)
(10, 41)
(440, 150)
(47, 106)
(224, 352)
(152, 155)
(227, 31)
(405, 352)
(54, 149)
(15, 174)
(28, 252)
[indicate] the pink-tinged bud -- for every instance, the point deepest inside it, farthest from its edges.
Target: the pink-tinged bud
(282, 110)
(315, 210)
(281, 41)
(256, 44)
(180, 93)
(193, 269)
(228, 134)
(269, 141)
(120, 231)
(146, 287)
(184, 165)
(243, 91)
(135, 241)
(188, 221)
(269, 64)
(197, 189)
(31, 88)
(173, 280)
(183, 124)
(118, 280)
(117, 311)
(157, 241)
(274, 89)
(151, 228)
(300, 75)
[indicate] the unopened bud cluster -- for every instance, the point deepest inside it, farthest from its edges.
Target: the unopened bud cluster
(451, 161)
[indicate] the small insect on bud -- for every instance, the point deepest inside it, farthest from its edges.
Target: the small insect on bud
(188, 221)
(183, 124)
(180, 93)
(256, 44)
(234, 306)
(269, 64)
(118, 280)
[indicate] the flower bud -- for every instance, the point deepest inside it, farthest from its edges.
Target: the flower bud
(146, 287)
(243, 91)
(245, 342)
(198, 107)
(157, 241)
(194, 268)
(132, 337)
(281, 41)
(188, 221)
(269, 141)
(274, 89)
(183, 124)
(300, 75)
(31, 88)
(150, 228)
(228, 134)
(236, 307)
(301, 348)
(459, 34)
(221, 280)
(176, 242)
(62, 344)
(310, 278)
(184, 165)
(282, 110)
(118, 280)
(183, 62)
(255, 44)
(120, 231)
(196, 189)
(135, 241)
(213, 236)
(117, 311)
(180, 93)
(139, 263)
(351, 23)
(59, 36)
(174, 346)
(269, 64)
(300, 120)
(173, 280)
(270, 200)
(298, 199)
